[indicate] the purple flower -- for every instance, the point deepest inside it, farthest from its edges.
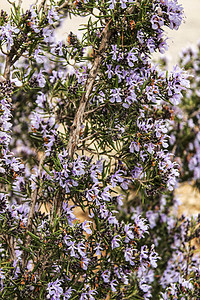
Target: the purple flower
(153, 257)
(113, 284)
(41, 79)
(89, 294)
(84, 262)
(7, 32)
(131, 58)
(112, 5)
(112, 219)
(67, 294)
(86, 227)
(55, 290)
(175, 14)
(116, 95)
(41, 100)
(81, 249)
(105, 195)
(123, 3)
(141, 226)
(151, 45)
(144, 287)
(116, 178)
(71, 246)
(157, 22)
(128, 228)
(68, 212)
(115, 242)
(143, 253)
(134, 146)
(152, 217)
(98, 249)
(52, 16)
(106, 276)
(128, 255)
(118, 73)
(114, 47)
(78, 167)
(92, 194)
(38, 57)
(109, 71)
(137, 172)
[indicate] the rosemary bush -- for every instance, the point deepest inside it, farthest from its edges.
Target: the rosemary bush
(85, 126)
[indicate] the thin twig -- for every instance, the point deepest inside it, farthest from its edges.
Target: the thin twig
(95, 109)
(88, 137)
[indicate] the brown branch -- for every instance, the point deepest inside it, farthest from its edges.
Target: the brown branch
(34, 197)
(64, 5)
(79, 117)
(11, 58)
(31, 211)
(195, 113)
(88, 137)
(56, 206)
(41, 5)
(10, 243)
(6, 73)
(95, 109)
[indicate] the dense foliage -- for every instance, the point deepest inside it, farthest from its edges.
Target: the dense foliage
(86, 173)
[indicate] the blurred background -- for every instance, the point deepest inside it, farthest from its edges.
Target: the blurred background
(188, 33)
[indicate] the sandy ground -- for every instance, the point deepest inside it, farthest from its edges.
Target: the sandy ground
(189, 33)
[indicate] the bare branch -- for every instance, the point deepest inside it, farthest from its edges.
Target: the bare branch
(88, 137)
(95, 109)
(32, 210)
(6, 73)
(34, 197)
(195, 113)
(10, 242)
(64, 5)
(79, 117)
(41, 5)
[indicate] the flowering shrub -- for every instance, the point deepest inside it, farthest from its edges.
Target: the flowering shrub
(84, 126)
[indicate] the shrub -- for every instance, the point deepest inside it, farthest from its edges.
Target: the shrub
(85, 126)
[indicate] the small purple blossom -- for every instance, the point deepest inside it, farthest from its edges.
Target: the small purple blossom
(86, 227)
(41, 79)
(55, 291)
(116, 95)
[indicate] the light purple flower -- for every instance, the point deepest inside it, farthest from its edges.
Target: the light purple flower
(55, 290)
(98, 249)
(115, 242)
(106, 276)
(116, 95)
(52, 16)
(86, 228)
(113, 284)
(41, 79)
